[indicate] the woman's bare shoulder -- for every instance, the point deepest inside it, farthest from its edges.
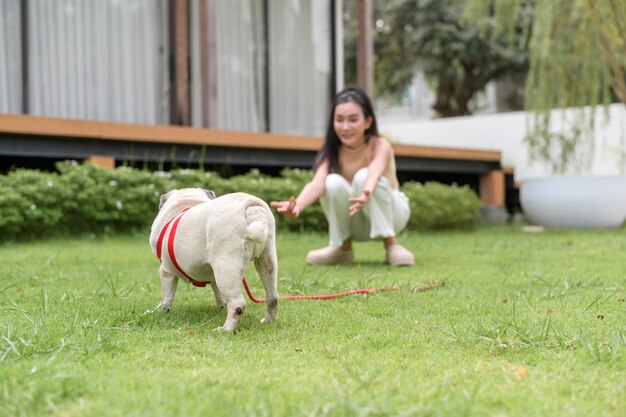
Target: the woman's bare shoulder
(321, 172)
(381, 144)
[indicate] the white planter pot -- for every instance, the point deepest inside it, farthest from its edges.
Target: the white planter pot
(575, 201)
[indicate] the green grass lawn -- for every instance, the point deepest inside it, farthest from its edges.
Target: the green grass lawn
(527, 324)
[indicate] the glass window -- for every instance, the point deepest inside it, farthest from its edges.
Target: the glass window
(234, 65)
(10, 57)
(233, 40)
(99, 60)
(300, 66)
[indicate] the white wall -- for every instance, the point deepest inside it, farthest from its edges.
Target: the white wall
(504, 132)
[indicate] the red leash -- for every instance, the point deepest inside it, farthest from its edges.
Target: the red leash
(339, 294)
(170, 250)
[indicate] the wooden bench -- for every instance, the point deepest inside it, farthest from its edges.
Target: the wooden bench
(106, 143)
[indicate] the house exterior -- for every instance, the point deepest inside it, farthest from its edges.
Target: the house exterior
(161, 83)
(244, 65)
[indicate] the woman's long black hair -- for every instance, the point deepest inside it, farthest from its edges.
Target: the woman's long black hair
(330, 149)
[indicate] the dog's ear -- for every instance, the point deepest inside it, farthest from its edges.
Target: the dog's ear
(210, 193)
(164, 198)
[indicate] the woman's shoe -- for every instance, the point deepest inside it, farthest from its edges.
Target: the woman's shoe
(398, 255)
(330, 256)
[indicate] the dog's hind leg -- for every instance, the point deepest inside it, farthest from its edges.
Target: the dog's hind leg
(219, 299)
(266, 266)
(228, 274)
(169, 282)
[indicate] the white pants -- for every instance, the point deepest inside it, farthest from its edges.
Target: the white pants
(385, 214)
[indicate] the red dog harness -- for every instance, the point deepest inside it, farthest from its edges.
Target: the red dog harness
(170, 247)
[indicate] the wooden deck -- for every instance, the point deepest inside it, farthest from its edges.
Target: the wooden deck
(108, 143)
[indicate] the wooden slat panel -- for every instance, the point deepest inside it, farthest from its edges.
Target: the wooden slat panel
(446, 153)
(34, 125)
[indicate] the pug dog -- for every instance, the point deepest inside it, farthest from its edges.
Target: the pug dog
(207, 240)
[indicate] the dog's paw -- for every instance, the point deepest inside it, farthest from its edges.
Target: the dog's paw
(163, 307)
(222, 329)
(149, 312)
(267, 320)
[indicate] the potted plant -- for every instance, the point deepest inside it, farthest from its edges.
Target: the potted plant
(577, 67)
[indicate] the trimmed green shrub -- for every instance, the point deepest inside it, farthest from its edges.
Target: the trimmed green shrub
(83, 198)
(438, 206)
(39, 196)
(110, 201)
(13, 209)
(280, 188)
(261, 185)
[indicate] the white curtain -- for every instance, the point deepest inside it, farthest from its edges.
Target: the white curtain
(300, 66)
(10, 57)
(240, 65)
(238, 27)
(99, 59)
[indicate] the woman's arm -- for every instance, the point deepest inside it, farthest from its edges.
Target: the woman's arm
(376, 168)
(309, 194)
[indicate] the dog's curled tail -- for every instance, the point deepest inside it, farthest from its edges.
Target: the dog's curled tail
(257, 229)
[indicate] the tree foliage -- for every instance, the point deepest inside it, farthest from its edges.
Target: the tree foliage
(457, 58)
(577, 59)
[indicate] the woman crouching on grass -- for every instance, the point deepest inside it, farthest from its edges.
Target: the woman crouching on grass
(356, 182)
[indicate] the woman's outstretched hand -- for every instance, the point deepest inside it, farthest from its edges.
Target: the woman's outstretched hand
(287, 208)
(358, 203)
